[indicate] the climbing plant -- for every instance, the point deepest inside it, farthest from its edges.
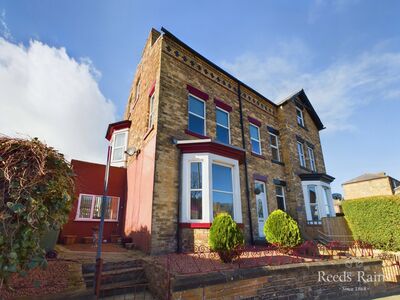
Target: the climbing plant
(36, 185)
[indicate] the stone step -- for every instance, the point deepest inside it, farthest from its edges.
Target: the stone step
(134, 275)
(109, 266)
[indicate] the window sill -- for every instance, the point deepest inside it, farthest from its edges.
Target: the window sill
(148, 132)
(200, 136)
(95, 220)
(278, 162)
(301, 126)
(257, 155)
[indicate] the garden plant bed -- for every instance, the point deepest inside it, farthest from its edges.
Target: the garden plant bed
(38, 282)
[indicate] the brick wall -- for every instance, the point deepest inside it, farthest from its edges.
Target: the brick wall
(173, 67)
(296, 281)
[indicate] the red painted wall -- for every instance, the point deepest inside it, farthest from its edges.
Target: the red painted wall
(90, 180)
(140, 183)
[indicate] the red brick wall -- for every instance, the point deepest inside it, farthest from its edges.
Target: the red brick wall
(90, 180)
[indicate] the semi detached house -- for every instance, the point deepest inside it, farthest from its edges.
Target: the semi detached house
(207, 143)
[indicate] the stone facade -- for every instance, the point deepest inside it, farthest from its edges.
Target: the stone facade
(168, 66)
(380, 186)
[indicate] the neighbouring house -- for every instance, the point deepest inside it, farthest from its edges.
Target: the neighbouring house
(201, 142)
(85, 214)
(370, 184)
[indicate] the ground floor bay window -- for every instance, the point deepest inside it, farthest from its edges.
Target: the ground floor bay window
(317, 197)
(210, 185)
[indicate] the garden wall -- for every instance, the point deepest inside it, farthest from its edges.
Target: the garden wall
(304, 280)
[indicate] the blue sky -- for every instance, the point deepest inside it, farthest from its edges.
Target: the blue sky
(344, 53)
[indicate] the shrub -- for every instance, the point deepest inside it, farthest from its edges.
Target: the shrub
(280, 229)
(35, 188)
(225, 237)
(375, 220)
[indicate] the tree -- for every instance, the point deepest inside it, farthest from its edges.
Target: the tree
(36, 185)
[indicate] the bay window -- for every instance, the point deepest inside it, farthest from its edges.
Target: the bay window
(210, 185)
(89, 208)
(318, 201)
(223, 130)
(197, 115)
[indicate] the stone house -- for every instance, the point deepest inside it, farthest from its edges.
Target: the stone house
(370, 184)
(196, 141)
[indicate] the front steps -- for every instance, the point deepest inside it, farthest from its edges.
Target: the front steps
(118, 278)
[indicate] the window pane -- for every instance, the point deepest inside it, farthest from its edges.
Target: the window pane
(326, 195)
(196, 205)
(113, 215)
(118, 154)
(312, 194)
(119, 139)
(195, 175)
(279, 190)
(222, 118)
(281, 202)
(260, 210)
(196, 124)
(259, 186)
(255, 147)
(275, 154)
(222, 135)
(314, 212)
(222, 202)
(85, 207)
(254, 132)
(273, 140)
(97, 208)
(222, 178)
(196, 106)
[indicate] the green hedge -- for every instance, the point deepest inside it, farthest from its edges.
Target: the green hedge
(282, 230)
(375, 220)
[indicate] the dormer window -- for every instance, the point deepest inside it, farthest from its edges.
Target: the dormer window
(119, 142)
(300, 117)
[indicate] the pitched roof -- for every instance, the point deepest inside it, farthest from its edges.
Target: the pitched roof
(301, 95)
(367, 176)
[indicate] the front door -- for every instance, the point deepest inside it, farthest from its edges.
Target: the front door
(262, 211)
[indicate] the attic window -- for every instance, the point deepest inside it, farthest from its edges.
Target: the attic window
(300, 117)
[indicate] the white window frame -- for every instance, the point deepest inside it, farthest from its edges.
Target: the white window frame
(119, 162)
(151, 111)
(311, 158)
(229, 123)
(282, 196)
(77, 218)
(275, 146)
(319, 189)
(300, 119)
(302, 157)
(208, 159)
(258, 141)
(194, 114)
(193, 190)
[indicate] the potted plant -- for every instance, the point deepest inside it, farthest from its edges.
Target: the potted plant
(226, 238)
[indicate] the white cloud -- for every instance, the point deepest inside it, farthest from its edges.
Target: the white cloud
(47, 94)
(335, 91)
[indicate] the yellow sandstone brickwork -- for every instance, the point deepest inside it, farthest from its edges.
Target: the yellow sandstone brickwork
(173, 67)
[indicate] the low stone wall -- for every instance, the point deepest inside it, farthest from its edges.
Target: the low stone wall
(322, 280)
(158, 279)
(192, 237)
